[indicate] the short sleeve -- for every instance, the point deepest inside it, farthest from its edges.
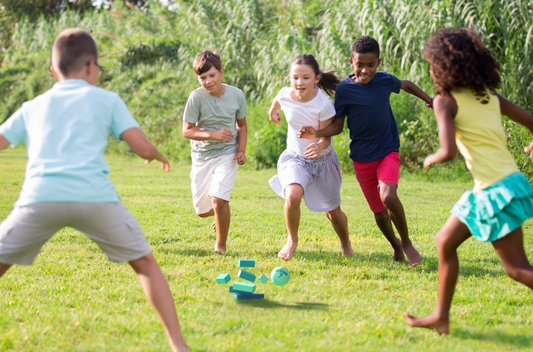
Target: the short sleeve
(242, 110)
(328, 111)
(14, 128)
(396, 83)
(122, 119)
(340, 103)
(192, 110)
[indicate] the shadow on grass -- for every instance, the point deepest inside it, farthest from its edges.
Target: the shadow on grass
(494, 336)
(195, 252)
(265, 303)
(468, 268)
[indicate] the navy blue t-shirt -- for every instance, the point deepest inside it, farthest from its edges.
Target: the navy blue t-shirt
(373, 130)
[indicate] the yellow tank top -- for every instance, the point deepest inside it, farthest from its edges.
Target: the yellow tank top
(481, 139)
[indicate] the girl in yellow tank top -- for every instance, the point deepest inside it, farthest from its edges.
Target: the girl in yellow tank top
(468, 113)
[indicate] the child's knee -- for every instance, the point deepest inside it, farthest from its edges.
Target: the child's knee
(390, 199)
(442, 240)
(206, 215)
(219, 203)
(382, 217)
(515, 271)
(293, 196)
(334, 215)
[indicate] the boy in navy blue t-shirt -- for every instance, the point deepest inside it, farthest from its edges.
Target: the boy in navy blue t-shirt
(364, 99)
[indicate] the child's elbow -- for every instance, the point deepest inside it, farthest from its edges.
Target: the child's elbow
(450, 154)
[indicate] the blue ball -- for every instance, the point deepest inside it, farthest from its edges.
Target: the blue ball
(280, 276)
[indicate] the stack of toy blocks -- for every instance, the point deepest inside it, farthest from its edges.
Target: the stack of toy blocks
(243, 290)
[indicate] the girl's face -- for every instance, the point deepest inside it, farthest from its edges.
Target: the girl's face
(303, 80)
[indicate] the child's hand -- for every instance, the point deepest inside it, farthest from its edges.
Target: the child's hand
(313, 150)
(240, 158)
(307, 132)
(165, 165)
(223, 135)
(529, 149)
(275, 116)
(430, 159)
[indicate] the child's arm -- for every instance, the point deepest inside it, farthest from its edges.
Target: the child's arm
(332, 129)
(445, 108)
(242, 136)
(144, 148)
(522, 117)
(190, 131)
(313, 150)
(273, 113)
(413, 89)
(4, 143)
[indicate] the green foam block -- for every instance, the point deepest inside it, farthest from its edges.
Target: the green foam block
(241, 286)
(246, 263)
(246, 275)
(249, 296)
(223, 278)
(263, 278)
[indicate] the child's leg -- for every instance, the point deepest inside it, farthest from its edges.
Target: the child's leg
(293, 198)
(451, 236)
(383, 221)
(396, 212)
(158, 294)
(222, 213)
(510, 249)
(366, 174)
(4, 268)
(339, 221)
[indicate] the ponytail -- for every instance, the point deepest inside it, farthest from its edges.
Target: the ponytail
(328, 80)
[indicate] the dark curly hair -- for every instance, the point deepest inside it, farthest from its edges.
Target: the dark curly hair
(364, 45)
(458, 58)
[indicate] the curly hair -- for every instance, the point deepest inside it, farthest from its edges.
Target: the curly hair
(364, 45)
(458, 58)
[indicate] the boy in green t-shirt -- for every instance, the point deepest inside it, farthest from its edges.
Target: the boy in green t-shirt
(215, 122)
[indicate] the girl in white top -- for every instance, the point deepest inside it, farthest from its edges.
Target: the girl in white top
(308, 168)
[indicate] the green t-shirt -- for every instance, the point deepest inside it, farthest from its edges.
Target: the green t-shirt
(212, 114)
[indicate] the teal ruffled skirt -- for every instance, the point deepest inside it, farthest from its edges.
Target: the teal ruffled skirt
(497, 210)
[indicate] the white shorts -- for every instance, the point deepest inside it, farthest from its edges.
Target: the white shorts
(110, 225)
(212, 178)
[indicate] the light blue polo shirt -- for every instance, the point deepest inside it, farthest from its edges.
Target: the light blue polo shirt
(65, 131)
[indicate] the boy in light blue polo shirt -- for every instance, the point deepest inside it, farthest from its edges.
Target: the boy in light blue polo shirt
(65, 131)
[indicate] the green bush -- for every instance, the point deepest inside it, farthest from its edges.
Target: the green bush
(148, 53)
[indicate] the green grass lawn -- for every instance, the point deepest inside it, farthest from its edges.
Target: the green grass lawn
(73, 299)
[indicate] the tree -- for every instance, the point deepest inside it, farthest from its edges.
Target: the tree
(33, 9)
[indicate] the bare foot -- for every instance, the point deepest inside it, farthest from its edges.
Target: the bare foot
(288, 250)
(220, 248)
(397, 255)
(347, 250)
(442, 326)
(214, 226)
(179, 347)
(412, 254)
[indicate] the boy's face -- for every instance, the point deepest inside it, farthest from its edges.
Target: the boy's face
(364, 66)
(211, 80)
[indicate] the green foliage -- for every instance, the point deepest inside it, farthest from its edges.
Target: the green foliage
(36, 8)
(148, 52)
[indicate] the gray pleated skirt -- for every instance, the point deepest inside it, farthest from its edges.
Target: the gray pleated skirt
(320, 179)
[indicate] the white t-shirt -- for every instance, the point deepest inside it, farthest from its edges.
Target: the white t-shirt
(308, 113)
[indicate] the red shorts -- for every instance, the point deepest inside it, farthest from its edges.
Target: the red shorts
(371, 175)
